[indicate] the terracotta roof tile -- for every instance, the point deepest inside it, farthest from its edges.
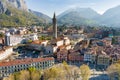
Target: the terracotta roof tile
(24, 61)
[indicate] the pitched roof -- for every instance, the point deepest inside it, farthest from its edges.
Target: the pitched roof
(24, 61)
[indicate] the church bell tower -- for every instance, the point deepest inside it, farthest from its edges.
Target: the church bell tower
(54, 27)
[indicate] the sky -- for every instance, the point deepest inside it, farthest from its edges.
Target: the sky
(48, 7)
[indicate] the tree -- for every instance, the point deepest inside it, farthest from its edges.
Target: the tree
(114, 40)
(1, 35)
(24, 75)
(36, 75)
(29, 41)
(75, 74)
(55, 73)
(65, 65)
(114, 71)
(67, 69)
(11, 77)
(31, 74)
(16, 75)
(32, 69)
(51, 74)
(85, 72)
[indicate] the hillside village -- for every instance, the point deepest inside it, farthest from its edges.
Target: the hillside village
(22, 48)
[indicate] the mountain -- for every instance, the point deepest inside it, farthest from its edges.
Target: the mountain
(19, 4)
(15, 13)
(111, 17)
(41, 15)
(78, 16)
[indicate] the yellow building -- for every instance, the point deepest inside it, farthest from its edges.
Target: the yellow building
(103, 60)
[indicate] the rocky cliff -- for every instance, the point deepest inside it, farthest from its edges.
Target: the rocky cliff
(19, 4)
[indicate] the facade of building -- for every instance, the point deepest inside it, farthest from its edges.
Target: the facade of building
(2, 41)
(62, 55)
(33, 37)
(15, 39)
(6, 68)
(5, 52)
(74, 57)
(12, 40)
(50, 49)
(87, 57)
(59, 43)
(103, 60)
(94, 58)
(90, 56)
(37, 45)
(107, 41)
(22, 31)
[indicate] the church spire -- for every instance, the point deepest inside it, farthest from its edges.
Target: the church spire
(54, 26)
(54, 16)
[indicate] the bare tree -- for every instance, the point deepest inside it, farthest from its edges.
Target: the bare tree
(85, 72)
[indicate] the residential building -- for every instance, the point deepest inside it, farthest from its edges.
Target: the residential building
(50, 49)
(90, 56)
(2, 41)
(12, 31)
(66, 41)
(103, 60)
(94, 58)
(12, 40)
(87, 57)
(6, 68)
(15, 39)
(62, 55)
(33, 37)
(67, 47)
(21, 31)
(34, 29)
(107, 41)
(57, 44)
(75, 57)
(5, 52)
(38, 45)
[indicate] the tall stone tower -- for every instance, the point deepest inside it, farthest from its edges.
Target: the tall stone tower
(54, 27)
(7, 39)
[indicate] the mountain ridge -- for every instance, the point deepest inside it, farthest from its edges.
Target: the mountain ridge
(41, 15)
(15, 13)
(78, 16)
(109, 18)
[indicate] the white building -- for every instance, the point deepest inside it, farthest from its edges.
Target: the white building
(88, 57)
(4, 53)
(7, 68)
(12, 30)
(38, 45)
(14, 40)
(66, 41)
(58, 43)
(49, 49)
(32, 37)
